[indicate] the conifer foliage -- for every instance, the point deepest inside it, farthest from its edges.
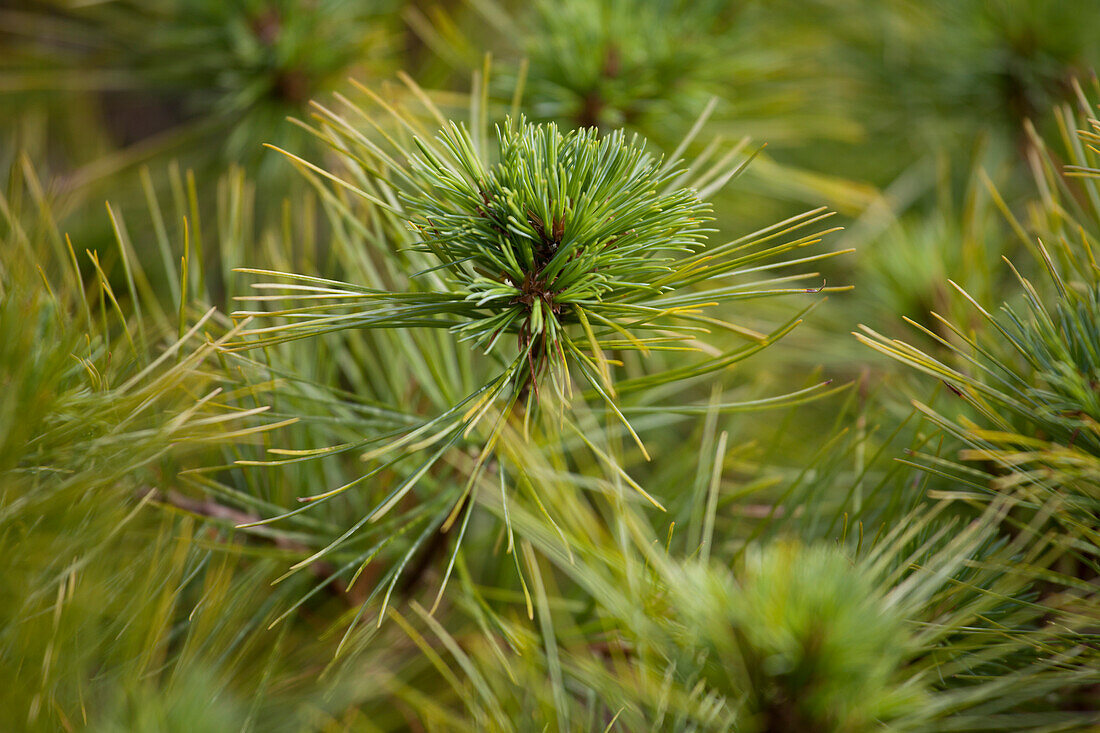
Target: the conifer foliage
(488, 394)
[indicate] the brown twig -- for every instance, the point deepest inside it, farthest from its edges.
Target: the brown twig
(210, 509)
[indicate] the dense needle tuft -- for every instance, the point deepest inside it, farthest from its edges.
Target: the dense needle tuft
(561, 224)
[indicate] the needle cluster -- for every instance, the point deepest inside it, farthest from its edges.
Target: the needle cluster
(564, 225)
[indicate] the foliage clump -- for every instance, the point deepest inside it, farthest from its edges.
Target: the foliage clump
(565, 229)
(613, 63)
(813, 635)
(1029, 379)
(208, 79)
